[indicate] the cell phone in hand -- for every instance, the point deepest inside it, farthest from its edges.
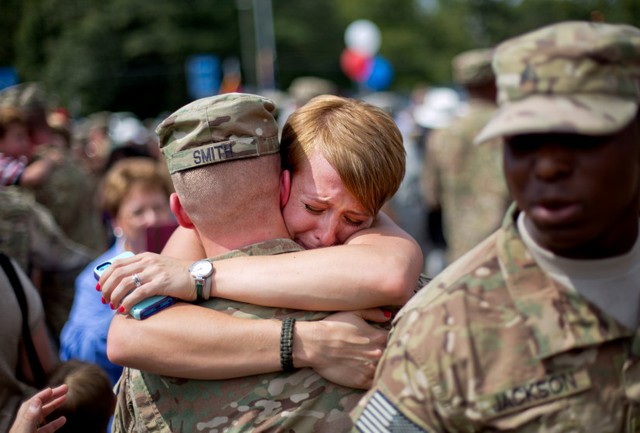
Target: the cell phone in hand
(151, 306)
(144, 308)
(99, 270)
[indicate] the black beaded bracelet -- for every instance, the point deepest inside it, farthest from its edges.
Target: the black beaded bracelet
(286, 344)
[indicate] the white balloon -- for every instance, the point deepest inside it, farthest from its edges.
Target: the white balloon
(363, 36)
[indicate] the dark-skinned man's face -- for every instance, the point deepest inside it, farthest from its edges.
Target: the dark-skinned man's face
(580, 193)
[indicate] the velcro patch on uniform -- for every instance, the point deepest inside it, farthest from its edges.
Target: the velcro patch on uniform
(535, 392)
(381, 416)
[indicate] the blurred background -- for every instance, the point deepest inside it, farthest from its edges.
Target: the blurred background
(137, 55)
(112, 69)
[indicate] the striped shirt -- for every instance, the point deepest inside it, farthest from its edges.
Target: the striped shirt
(11, 169)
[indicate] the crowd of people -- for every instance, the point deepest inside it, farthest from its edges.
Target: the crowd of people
(464, 261)
(70, 192)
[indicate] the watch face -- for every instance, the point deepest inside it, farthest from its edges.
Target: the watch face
(201, 268)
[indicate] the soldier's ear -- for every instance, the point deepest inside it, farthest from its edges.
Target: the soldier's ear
(285, 187)
(177, 209)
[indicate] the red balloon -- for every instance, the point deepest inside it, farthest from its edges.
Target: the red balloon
(355, 65)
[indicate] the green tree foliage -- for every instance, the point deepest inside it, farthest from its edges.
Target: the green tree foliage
(120, 54)
(9, 20)
(309, 37)
(129, 55)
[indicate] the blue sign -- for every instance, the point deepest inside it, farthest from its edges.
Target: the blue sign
(203, 75)
(8, 76)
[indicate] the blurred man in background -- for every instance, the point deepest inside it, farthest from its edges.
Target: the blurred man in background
(463, 181)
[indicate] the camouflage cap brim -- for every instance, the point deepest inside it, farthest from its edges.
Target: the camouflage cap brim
(572, 114)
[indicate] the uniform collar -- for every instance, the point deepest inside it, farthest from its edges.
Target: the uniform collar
(269, 247)
(560, 319)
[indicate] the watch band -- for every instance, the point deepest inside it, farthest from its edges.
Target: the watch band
(202, 282)
(199, 287)
(203, 288)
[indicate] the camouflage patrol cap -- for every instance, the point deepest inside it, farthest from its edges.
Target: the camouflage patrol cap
(571, 77)
(473, 67)
(219, 128)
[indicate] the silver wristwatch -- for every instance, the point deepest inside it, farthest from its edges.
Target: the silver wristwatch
(201, 271)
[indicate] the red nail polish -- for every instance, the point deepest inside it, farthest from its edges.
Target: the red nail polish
(104, 301)
(121, 309)
(387, 314)
(98, 287)
(113, 307)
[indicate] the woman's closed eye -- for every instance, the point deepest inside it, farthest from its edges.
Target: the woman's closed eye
(352, 222)
(313, 209)
(318, 210)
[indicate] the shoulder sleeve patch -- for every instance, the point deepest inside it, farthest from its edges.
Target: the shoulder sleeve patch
(381, 416)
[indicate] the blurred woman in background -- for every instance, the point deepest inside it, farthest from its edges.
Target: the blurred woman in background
(135, 196)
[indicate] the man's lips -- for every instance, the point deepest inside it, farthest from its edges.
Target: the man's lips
(555, 212)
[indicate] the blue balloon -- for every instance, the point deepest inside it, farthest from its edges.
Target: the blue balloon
(381, 74)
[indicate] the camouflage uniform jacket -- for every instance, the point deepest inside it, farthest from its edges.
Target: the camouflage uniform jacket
(301, 401)
(494, 344)
(465, 180)
(68, 194)
(30, 235)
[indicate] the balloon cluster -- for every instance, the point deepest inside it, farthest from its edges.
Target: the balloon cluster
(360, 61)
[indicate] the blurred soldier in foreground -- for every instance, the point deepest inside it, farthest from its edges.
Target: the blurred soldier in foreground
(67, 193)
(68, 190)
(461, 180)
(536, 329)
(30, 235)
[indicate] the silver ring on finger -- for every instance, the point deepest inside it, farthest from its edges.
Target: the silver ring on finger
(136, 280)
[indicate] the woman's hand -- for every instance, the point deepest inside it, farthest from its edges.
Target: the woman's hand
(157, 275)
(32, 413)
(343, 348)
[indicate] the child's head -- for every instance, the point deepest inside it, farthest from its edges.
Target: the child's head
(90, 401)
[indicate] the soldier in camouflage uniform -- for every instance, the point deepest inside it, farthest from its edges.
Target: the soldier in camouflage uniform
(29, 234)
(462, 180)
(225, 150)
(67, 192)
(536, 329)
